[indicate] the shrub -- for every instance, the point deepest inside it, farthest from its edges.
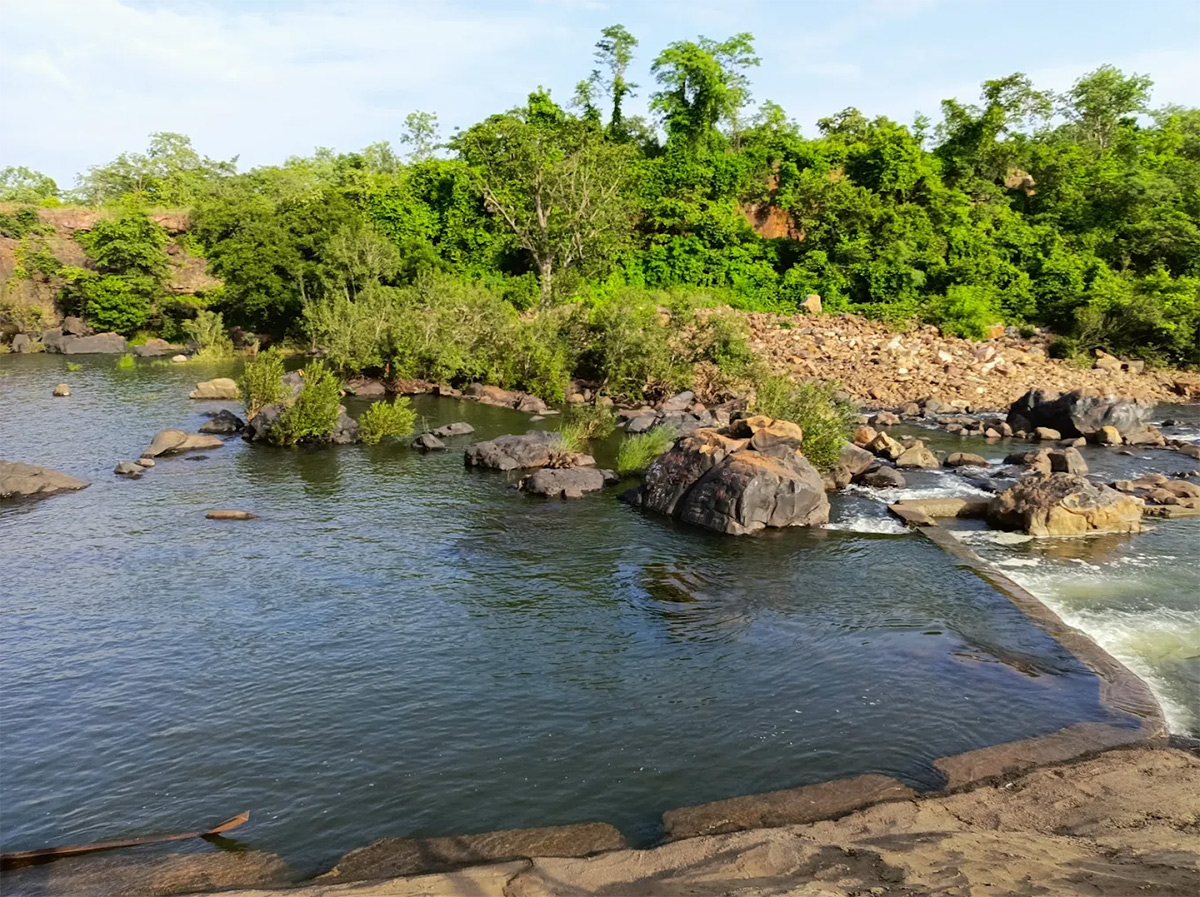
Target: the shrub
(128, 244)
(355, 335)
(262, 381)
(120, 304)
(966, 310)
(827, 422)
(314, 413)
(386, 419)
(207, 331)
(639, 451)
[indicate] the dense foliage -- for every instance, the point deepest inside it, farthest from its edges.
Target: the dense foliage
(387, 420)
(1079, 212)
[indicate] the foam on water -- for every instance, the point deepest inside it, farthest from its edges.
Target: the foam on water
(862, 523)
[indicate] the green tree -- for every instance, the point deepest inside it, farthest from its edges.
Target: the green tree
(421, 133)
(1100, 102)
(702, 83)
(170, 173)
(24, 185)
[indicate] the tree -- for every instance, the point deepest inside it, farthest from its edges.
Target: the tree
(24, 185)
(1099, 102)
(421, 133)
(555, 183)
(170, 173)
(614, 51)
(703, 83)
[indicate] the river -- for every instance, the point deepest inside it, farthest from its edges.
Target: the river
(402, 646)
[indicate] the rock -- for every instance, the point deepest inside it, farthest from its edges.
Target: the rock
(641, 424)
(1106, 362)
(178, 359)
(1068, 461)
(1144, 435)
(1077, 413)
(1045, 434)
(884, 419)
(154, 348)
(766, 433)
(144, 462)
(717, 480)
(1190, 449)
(528, 450)
(882, 477)
(62, 390)
(21, 344)
(219, 388)
(223, 422)
(427, 442)
(864, 434)
(345, 431)
(678, 403)
(1063, 504)
(531, 405)
(812, 304)
(853, 460)
(996, 331)
(366, 388)
(459, 428)
(918, 456)
(965, 459)
(100, 344)
(18, 480)
(569, 482)
(1037, 461)
(885, 446)
(230, 515)
(259, 427)
(128, 469)
(174, 442)
(73, 326)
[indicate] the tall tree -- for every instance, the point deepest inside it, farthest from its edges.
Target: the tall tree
(421, 133)
(1098, 103)
(21, 184)
(702, 83)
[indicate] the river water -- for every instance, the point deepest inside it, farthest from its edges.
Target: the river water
(402, 646)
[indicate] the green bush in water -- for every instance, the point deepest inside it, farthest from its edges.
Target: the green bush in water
(314, 414)
(262, 381)
(639, 451)
(827, 422)
(386, 420)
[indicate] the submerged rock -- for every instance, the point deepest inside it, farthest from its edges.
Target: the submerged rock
(1063, 504)
(230, 514)
(569, 482)
(128, 469)
(218, 388)
(719, 480)
(223, 422)
(18, 480)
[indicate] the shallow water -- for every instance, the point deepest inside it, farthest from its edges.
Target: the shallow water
(401, 646)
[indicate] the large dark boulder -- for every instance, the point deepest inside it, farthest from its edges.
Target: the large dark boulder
(744, 478)
(18, 480)
(1078, 413)
(223, 423)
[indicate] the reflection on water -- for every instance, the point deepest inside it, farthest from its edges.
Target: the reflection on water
(401, 646)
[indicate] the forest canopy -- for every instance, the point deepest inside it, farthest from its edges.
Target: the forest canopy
(1077, 211)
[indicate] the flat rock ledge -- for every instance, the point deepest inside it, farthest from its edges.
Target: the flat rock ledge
(19, 480)
(176, 442)
(391, 857)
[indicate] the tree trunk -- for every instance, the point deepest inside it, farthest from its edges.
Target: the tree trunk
(545, 274)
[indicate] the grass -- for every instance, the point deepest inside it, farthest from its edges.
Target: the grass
(638, 452)
(73, 367)
(125, 362)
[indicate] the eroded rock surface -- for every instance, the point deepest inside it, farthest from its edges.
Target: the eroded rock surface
(1063, 504)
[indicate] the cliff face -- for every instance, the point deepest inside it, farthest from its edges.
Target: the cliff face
(32, 294)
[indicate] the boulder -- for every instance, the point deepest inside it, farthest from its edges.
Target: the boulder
(155, 348)
(882, 477)
(812, 304)
(346, 430)
(965, 459)
(18, 480)
(852, 461)
(52, 338)
(678, 403)
(1078, 413)
(178, 359)
(1037, 461)
(427, 442)
(144, 462)
(918, 457)
(1144, 435)
(73, 326)
(220, 388)
(128, 469)
(864, 434)
(174, 442)
(259, 427)
(1063, 504)
(100, 344)
(884, 419)
(458, 428)
(641, 424)
(62, 390)
(569, 482)
(491, 395)
(1068, 461)
(719, 480)
(885, 446)
(514, 452)
(1046, 434)
(366, 388)
(21, 344)
(223, 422)
(531, 405)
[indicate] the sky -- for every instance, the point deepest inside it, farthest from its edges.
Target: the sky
(84, 80)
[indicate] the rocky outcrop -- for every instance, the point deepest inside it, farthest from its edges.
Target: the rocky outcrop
(1063, 504)
(98, 344)
(176, 442)
(1163, 496)
(18, 480)
(539, 448)
(569, 482)
(1077, 413)
(722, 480)
(222, 388)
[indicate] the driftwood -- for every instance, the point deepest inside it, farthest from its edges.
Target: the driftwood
(45, 854)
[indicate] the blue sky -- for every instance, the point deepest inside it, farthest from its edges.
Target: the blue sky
(82, 80)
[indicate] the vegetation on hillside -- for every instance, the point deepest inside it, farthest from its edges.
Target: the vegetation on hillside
(554, 241)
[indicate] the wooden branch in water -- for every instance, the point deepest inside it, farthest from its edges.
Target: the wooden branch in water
(45, 854)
